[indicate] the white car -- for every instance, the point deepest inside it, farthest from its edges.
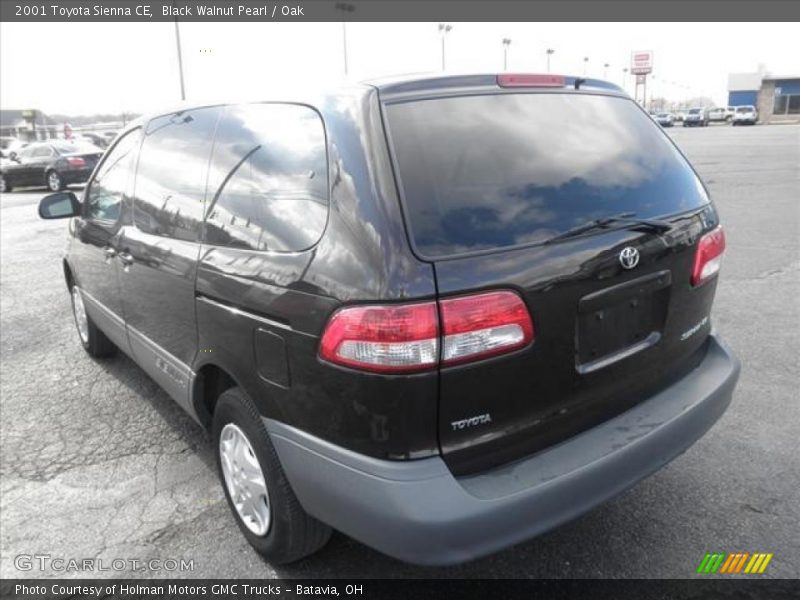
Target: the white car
(10, 147)
(745, 115)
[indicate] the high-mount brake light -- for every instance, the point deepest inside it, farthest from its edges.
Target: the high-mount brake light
(405, 338)
(708, 256)
(509, 80)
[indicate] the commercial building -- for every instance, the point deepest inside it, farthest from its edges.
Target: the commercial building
(776, 98)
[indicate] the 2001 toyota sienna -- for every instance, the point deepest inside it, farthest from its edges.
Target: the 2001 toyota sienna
(441, 315)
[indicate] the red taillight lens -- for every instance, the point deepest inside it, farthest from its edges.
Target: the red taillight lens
(507, 80)
(483, 325)
(405, 338)
(383, 338)
(708, 258)
(76, 161)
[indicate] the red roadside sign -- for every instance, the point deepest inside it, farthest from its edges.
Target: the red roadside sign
(642, 62)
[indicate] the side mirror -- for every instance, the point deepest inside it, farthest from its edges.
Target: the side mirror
(60, 205)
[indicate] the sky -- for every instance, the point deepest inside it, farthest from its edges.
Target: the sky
(85, 68)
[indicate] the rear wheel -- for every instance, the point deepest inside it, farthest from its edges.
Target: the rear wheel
(92, 339)
(54, 181)
(258, 492)
(4, 187)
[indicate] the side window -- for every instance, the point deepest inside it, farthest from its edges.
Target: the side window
(171, 176)
(104, 197)
(270, 176)
(42, 152)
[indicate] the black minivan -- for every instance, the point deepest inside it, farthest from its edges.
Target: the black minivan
(440, 314)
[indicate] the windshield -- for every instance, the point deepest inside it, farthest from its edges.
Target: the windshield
(494, 171)
(694, 111)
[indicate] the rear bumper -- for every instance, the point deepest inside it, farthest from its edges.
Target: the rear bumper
(419, 512)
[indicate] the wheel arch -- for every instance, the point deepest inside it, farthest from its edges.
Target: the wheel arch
(209, 382)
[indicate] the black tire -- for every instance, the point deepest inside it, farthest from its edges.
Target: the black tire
(292, 533)
(95, 342)
(54, 181)
(4, 186)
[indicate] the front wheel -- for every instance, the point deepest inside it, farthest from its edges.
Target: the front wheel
(258, 492)
(54, 181)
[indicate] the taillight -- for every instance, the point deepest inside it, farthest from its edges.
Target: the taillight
(397, 338)
(405, 337)
(483, 325)
(708, 258)
(76, 161)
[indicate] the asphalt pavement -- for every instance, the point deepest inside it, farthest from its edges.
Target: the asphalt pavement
(97, 462)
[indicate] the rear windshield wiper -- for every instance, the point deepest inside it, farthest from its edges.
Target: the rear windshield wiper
(626, 217)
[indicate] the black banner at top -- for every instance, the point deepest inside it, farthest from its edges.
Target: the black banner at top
(396, 10)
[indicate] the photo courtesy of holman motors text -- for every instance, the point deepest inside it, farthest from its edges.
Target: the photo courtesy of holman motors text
(391, 299)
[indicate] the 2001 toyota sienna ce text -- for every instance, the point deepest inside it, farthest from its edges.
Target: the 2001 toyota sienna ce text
(441, 315)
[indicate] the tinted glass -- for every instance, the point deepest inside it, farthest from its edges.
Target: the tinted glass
(493, 171)
(794, 104)
(270, 174)
(104, 197)
(42, 152)
(694, 111)
(171, 177)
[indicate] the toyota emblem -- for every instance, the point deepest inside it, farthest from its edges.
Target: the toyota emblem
(629, 257)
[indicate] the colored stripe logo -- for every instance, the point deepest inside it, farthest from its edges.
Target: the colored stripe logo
(737, 562)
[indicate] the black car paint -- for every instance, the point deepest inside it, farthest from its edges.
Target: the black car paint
(26, 170)
(259, 315)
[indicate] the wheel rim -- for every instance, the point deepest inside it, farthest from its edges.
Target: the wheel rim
(54, 181)
(81, 320)
(244, 479)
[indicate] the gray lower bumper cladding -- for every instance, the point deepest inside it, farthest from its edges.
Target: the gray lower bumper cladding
(417, 511)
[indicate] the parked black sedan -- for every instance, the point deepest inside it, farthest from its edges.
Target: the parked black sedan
(55, 164)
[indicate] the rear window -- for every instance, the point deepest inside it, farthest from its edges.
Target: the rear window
(694, 111)
(494, 171)
(745, 109)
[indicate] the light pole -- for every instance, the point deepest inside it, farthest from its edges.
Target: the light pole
(625, 78)
(605, 70)
(585, 65)
(180, 58)
(345, 8)
(506, 44)
(444, 29)
(550, 52)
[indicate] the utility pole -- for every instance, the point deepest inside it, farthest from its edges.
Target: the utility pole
(345, 8)
(506, 44)
(550, 52)
(444, 29)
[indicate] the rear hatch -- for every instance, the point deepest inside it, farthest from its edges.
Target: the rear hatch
(488, 179)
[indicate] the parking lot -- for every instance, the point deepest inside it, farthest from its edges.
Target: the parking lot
(97, 462)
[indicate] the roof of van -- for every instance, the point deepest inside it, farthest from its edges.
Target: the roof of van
(412, 83)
